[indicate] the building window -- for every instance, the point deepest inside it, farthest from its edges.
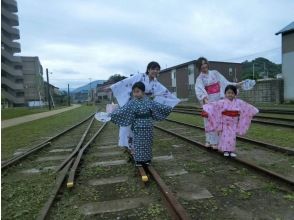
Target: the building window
(18, 81)
(191, 69)
(174, 78)
(191, 75)
(230, 71)
(19, 94)
(173, 74)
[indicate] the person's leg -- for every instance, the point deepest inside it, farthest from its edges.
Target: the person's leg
(207, 136)
(125, 137)
(143, 138)
(214, 139)
(227, 140)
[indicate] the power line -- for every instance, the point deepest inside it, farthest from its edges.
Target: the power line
(249, 55)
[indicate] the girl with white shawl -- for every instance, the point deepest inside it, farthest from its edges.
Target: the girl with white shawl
(122, 91)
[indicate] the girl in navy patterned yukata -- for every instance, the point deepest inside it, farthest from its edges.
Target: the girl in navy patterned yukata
(140, 113)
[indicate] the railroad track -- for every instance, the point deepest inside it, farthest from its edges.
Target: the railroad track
(17, 159)
(198, 110)
(250, 160)
(266, 120)
(42, 160)
(76, 184)
(261, 110)
(70, 166)
(174, 207)
(211, 186)
(243, 139)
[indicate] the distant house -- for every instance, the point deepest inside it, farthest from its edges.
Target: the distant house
(53, 90)
(288, 60)
(180, 79)
(103, 92)
(81, 96)
(86, 93)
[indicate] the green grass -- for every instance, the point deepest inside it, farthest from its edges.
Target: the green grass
(10, 113)
(265, 133)
(17, 194)
(28, 134)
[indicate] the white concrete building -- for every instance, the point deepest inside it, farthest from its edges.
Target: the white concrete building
(288, 60)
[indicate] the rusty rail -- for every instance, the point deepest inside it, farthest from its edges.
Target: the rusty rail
(262, 144)
(238, 160)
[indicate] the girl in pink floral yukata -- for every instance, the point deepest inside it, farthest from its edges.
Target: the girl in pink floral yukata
(229, 117)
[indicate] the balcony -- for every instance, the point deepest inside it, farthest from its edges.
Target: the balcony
(10, 4)
(15, 46)
(10, 57)
(10, 70)
(13, 18)
(12, 84)
(12, 98)
(10, 30)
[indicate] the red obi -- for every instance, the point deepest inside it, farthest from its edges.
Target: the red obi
(213, 88)
(231, 113)
(204, 114)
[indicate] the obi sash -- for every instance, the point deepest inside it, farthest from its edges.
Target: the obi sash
(204, 114)
(213, 88)
(143, 116)
(231, 113)
(148, 93)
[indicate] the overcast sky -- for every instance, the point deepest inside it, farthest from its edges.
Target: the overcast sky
(82, 39)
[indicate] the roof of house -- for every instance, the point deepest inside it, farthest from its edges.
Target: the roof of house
(105, 87)
(50, 85)
(287, 29)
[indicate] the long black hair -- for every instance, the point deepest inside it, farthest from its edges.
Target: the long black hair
(139, 85)
(152, 65)
(231, 87)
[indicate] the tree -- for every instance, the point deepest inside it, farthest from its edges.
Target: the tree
(115, 78)
(262, 67)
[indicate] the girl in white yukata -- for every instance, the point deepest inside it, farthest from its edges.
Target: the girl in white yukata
(229, 117)
(122, 91)
(210, 86)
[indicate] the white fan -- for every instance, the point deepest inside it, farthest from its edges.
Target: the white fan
(248, 84)
(102, 116)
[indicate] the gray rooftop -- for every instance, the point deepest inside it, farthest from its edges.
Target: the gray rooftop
(288, 28)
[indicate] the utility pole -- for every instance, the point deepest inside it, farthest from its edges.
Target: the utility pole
(48, 92)
(253, 69)
(90, 92)
(68, 96)
(236, 75)
(264, 69)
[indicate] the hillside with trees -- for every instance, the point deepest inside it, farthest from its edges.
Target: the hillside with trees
(262, 68)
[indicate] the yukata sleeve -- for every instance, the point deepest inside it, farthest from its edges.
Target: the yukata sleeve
(122, 89)
(159, 111)
(165, 97)
(123, 116)
(200, 90)
(246, 114)
(214, 120)
(223, 83)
